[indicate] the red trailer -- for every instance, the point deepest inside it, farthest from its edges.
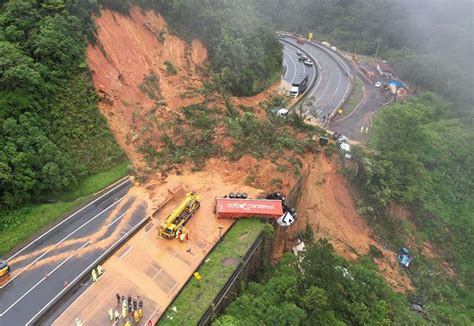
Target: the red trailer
(236, 208)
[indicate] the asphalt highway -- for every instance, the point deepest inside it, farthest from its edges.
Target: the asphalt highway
(332, 82)
(294, 68)
(43, 270)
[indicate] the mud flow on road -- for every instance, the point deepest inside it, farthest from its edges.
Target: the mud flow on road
(44, 269)
(155, 268)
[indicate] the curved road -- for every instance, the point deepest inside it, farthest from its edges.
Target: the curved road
(293, 67)
(332, 84)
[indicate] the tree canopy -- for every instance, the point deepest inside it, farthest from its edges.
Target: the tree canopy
(321, 289)
(52, 132)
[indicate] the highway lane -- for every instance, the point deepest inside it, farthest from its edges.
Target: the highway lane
(43, 270)
(293, 67)
(332, 83)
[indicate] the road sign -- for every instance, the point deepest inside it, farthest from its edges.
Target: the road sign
(310, 36)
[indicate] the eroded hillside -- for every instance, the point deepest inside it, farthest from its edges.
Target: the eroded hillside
(155, 95)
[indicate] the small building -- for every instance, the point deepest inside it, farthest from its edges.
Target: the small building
(385, 70)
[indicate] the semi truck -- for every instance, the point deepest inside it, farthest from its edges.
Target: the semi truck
(237, 208)
(180, 216)
(299, 85)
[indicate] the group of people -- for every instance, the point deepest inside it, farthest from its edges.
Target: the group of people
(132, 307)
(96, 275)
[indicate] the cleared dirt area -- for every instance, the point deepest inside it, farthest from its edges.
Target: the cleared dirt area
(152, 268)
(327, 205)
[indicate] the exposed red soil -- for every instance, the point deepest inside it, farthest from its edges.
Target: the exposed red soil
(327, 205)
(128, 48)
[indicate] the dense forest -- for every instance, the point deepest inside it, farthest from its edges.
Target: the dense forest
(52, 132)
(320, 288)
(423, 161)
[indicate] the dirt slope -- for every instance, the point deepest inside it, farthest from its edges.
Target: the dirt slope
(326, 204)
(128, 50)
(128, 64)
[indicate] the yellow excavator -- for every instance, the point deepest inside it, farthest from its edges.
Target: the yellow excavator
(178, 218)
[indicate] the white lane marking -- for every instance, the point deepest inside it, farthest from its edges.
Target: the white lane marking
(324, 91)
(44, 278)
(97, 306)
(69, 307)
(285, 64)
(304, 69)
(126, 252)
(294, 65)
(88, 268)
(304, 66)
(152, 314)
(156, 274)
(66, 219)
(335, 91)
(118, 218)
(320, 77)
(57, 244)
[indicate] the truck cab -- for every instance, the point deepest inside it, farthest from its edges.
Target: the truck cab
(295, 91)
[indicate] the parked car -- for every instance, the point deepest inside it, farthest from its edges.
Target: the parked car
(308, 62)
(378, 84)
(299, 53)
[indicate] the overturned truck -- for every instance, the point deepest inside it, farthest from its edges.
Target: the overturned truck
(271, 207)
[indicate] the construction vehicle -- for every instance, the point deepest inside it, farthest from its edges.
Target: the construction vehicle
(180, 216)
(4, 268)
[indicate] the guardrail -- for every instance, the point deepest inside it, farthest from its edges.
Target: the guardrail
(216, 307)
(85, 273)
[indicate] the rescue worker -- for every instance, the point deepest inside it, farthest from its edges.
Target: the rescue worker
(134, 304)
(140, 312)
(78, 322)
(116, 315)
(128, 323)
(100, 270)
(136, 317)
(94, 276)
(140, 304)
(124, 312)
(111, 314)
(118, 298)
(124, 304)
